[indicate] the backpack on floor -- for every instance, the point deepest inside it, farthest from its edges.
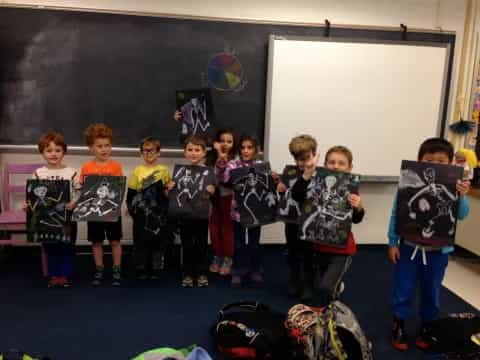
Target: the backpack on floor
(452, 336)
(250, 330)
(327, 334)
(14, 354)
(165, 353)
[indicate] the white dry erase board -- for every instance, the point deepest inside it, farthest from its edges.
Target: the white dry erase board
(379, 99)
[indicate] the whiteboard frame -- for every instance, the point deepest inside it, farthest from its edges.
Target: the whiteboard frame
(443, 108)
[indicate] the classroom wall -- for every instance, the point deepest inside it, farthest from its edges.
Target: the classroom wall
(424, 14)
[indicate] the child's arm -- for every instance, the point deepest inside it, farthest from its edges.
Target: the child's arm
(393, 237)
(355, 202)
(223, 170)
(130, 195)
(463, 207)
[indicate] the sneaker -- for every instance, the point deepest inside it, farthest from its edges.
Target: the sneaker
(63, 282)
(236, 281)
(202, 281)
(226, 266)
(424, 339)
(399, 337)
(187, 281)
(98, 277)
(141, 274)
(53, 282)
(116, 276)
(214, 266)
(257, 279)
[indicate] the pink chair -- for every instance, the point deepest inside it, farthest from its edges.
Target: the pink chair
(12, 221)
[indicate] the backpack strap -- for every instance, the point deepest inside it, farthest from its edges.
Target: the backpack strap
(257, 339)
(245, 305)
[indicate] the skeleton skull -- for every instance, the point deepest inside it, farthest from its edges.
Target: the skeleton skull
(429, 175)
(102, 191)
(40, 191)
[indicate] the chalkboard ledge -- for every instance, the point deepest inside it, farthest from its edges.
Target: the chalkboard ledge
(83, 150)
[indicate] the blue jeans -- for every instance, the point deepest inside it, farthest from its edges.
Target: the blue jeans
(408, 273)
(246, 257)
(60, 259)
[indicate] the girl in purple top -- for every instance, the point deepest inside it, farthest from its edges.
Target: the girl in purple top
(246, 259)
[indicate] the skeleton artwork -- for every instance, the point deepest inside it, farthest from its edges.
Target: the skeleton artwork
(288, 208)
(326, 213)
(189, 198)
(100, 199)
(428, 201)
(151, 203)
(255, 194)
(47, 215)
(195, 106)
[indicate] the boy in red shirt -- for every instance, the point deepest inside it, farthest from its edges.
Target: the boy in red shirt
(332, 262)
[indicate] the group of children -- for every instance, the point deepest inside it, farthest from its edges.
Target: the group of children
(315, 271)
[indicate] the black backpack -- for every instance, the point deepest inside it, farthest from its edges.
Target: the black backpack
(250, 330)
(451, 336)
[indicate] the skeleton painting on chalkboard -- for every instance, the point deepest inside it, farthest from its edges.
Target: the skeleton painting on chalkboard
(197, 112)
(151, 205)
(100, 199)
(326, 214)
(47, 217)
(288, 209)
(255, 194)
(189, 198)
(427, 202)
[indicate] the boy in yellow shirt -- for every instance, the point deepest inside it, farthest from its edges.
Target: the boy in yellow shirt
(147, 201)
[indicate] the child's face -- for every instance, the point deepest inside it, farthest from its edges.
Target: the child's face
(150, 153)
(436, 158)
(53, 154)
(460, 159)
(247, 150)
(226, 142)
(338, 161)
(101, 149)
(304, 159)
(194, 154)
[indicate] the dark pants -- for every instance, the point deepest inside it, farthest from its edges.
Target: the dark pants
(329, 272)
(60, 256)
(299, 254)
(430, 276)
(149, 248)
(246, 258)
(221, 227)
(194, 236)
(60, 259)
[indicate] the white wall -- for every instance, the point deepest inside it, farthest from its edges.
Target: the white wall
(425, 14)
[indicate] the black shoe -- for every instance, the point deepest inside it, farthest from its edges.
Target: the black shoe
(97, 277)
(399, 337)
(116, 277)
(141, 274)
(424, 339)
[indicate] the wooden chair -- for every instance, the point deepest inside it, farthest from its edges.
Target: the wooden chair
(14, 221)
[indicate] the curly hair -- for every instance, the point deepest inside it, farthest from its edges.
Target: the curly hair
(52, 136)
(95, 131)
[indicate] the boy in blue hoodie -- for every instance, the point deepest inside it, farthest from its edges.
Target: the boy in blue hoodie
(426, 266)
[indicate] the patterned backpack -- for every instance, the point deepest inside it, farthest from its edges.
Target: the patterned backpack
(327, 334)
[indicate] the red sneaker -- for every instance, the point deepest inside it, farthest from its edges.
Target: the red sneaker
(399, 337)
(53, 282)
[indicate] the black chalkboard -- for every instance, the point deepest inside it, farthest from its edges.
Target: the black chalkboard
(67, 69)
